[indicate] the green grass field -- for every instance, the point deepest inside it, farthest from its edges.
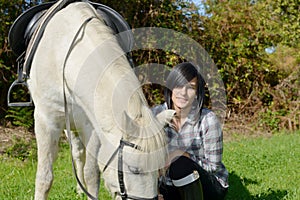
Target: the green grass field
(260, 169)
(264, 168)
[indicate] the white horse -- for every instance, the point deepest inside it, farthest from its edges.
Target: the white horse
(105, 103)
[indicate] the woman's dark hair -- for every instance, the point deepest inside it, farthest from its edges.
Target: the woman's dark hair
(180, 75)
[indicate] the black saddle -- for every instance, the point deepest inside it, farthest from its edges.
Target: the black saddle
(24, 26)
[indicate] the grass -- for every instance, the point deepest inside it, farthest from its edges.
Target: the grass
(260, 169)
(264, 168)
(17, 179)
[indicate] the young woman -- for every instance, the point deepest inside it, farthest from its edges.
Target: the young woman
(195, 169)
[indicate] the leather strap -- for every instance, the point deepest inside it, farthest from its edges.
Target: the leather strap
(67, 117)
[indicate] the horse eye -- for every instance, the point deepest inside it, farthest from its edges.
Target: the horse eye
(134, 170)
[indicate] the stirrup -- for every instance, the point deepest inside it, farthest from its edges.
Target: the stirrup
(18, 104)
(21, 81)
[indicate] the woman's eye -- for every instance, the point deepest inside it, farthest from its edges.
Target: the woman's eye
(134, 170)
(191, 87)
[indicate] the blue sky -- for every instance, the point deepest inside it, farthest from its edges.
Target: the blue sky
(200, 5)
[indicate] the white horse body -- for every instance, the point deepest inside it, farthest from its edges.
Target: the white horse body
(100, 88)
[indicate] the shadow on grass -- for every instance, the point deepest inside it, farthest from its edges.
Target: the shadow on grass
(238, 190)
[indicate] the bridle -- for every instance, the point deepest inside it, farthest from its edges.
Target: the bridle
(119, 151)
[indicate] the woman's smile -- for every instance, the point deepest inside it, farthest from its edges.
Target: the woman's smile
(181, 99)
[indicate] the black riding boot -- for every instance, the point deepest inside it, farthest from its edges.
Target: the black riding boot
(185, 177)
(192, 191)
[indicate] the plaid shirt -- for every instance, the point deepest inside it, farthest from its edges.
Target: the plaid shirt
(201, 137)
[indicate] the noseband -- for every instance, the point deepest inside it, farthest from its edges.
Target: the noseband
(119, 150)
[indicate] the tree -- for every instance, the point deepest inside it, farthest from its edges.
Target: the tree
(237, 34)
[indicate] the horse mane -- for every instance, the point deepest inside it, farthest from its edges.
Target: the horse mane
(136, 121)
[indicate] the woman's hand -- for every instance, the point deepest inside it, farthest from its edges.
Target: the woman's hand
(160, 197)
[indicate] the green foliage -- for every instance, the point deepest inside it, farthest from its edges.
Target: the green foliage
(236, 40)
(287, 14)
(285, 60)
(236, 34)
(21, 116)
(271, 120)
(155, 97)
(22, 149)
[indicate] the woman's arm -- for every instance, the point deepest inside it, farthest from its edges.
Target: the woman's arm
(212, 143)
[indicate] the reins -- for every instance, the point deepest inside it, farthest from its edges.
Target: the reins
(67, 117)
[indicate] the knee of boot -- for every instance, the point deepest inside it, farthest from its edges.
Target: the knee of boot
(183, 171)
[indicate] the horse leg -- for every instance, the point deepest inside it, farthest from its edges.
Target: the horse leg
(47, 137)
(78, 154)
(91, 169)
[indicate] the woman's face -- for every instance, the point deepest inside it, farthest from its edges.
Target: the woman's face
(183, 97)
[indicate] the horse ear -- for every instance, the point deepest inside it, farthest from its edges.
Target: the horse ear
(128, 124)
(165, 116)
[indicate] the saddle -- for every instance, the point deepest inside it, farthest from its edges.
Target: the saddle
(27, 23)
